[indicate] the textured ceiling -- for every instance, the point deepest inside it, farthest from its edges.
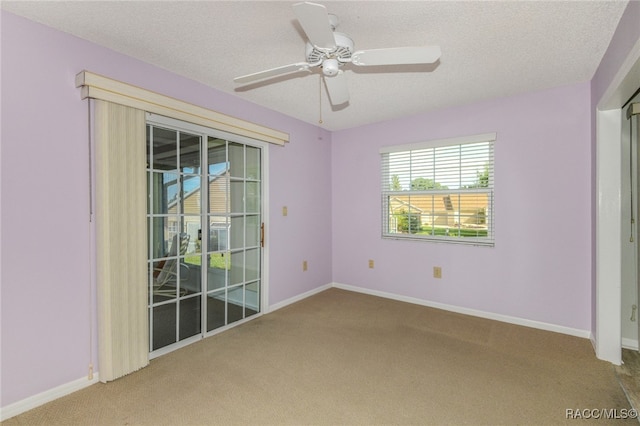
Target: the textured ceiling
(489, 49)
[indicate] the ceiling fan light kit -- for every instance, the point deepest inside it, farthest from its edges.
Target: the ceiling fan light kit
(330, 67)
(331, 51)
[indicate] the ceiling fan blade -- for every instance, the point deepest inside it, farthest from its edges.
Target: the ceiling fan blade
(274, 72)
(397, 56)
(337, 88)
(315, 23)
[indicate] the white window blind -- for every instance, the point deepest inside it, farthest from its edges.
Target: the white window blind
(439, 190)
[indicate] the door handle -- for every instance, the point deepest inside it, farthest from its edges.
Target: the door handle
(262, 234)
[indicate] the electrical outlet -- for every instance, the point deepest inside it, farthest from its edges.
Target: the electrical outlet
(285, 211)
(437, 272)
(304, 265)
(370, 263)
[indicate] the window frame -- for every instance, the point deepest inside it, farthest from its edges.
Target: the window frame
(408, 150)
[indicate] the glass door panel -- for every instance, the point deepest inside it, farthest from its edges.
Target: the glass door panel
(252, 298)
(190, 317)
(241, 167)
(252, 264)
(236, 274)
(236, 160)
(237, 196)
(218, 270)
(252, 197)
(164, 155)
(253, 163)
(164, 324)
(164, 189)
(252, 230)
(190, 153)
(175, 288)
(236, 237)
(235, 304)
(204, 220)
(216, 310)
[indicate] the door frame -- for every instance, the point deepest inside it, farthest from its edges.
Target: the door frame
(629, 241)
(606, 306)
(180, 125)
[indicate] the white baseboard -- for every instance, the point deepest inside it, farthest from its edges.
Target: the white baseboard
(630, 344)
(297, 298)
(594, 344)
(473, 312)
(34, 401)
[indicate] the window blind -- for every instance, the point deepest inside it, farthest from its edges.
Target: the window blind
(439, 190)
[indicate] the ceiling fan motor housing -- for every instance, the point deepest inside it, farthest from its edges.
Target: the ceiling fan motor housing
(341, 53)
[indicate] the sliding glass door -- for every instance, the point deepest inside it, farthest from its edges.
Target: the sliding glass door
(204, 225)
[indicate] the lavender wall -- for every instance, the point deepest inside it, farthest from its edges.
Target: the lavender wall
(540, 269)
(540, 266)
(46, 307)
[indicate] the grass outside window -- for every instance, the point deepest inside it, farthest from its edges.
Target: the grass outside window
(216, 260)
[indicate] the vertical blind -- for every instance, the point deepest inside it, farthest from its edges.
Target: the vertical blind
(439, 190)
(121, 255)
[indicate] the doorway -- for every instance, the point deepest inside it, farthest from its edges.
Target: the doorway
(630, 237)
(629, 372)
(205, 231)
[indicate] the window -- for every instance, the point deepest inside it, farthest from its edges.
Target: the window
(439, 190)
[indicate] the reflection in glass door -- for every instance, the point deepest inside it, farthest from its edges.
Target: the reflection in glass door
(204, 226)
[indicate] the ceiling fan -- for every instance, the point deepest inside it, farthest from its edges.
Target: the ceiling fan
(331, 50)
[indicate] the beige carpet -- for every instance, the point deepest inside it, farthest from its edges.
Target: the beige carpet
(346, 358)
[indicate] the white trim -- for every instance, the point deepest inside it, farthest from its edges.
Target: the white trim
(625, 82)
(485, 137)
(297, 298)
(608, 236)
(99, 87)
(592, 339)
(42, 398)
(630, 344)
(264, 267)
(473, 312)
